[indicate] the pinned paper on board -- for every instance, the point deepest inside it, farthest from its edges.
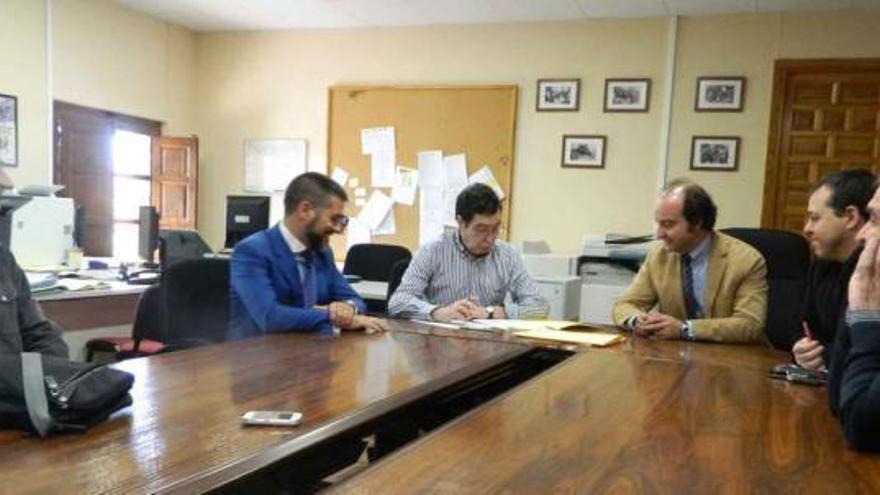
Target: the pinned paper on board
(455, 169)
(484, 176)
(405, 184)
(357, 233)
(382, 165)
(354, 182)
(377, 140)
(431, 214)
(430, 164)
(376, 209)
(388, 226)
(359, 202)
(360, 192)
(339, 176)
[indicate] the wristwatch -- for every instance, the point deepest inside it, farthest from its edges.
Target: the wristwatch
(687, 333)
(490, 312)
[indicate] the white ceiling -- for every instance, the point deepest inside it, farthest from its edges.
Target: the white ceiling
(244, 15)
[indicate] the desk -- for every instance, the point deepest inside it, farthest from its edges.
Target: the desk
(79, 310)
(648, 417)
(183, 433)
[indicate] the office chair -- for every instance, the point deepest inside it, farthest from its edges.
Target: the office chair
(146, 333)
(396, 276)
(788, 260)
(373, 262)
(196, 302)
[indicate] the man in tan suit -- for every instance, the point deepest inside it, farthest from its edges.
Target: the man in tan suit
(706, 285)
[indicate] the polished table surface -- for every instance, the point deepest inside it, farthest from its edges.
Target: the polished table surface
(643, 417)
(183, 431)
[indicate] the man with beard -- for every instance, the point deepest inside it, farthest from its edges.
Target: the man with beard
(284, 279)
(706, 285)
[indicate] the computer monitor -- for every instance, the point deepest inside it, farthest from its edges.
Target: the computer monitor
(148, 235)
(179, 245)
(245, 215)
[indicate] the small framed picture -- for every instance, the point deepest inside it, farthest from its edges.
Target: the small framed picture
(720, 94)
(558, 95)
(627, 95)
(715, 153)
(8, 131)
(583, 151)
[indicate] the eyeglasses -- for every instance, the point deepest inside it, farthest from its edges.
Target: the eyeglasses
(340, 221)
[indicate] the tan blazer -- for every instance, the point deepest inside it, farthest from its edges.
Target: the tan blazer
(736, 299)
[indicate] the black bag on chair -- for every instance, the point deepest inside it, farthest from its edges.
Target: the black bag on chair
(47, 394)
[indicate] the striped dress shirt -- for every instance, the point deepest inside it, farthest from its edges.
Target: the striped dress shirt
(443, 272)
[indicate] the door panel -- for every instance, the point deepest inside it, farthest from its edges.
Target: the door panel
(825, 118)
(175, 181)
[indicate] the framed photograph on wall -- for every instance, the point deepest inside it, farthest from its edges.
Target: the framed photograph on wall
(558, 95)
(583, 151)
(8, 131)
(627, 95)
(720, 94)
(715, 153)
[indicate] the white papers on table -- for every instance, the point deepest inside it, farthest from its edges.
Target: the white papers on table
(270, 164)
(382, 165)
(339, 176)
(377, 140)
(357, 233)
(405, 184)
(360, 202)
(485, 176)
(388, 226)
(374, 212)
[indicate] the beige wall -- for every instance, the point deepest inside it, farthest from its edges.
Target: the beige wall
(23, 74)
(114, 59)
(274, 84)
(705, 48)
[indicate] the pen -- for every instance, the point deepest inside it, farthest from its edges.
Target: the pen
(807, 333)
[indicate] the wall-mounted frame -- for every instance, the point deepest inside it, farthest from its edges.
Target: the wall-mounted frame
(558, 95)
(715, 153)
(627, 95)
(720, 94)
(8, 131)
(579, 151)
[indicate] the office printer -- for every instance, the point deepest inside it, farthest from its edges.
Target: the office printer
(607, 266)
(41, 230)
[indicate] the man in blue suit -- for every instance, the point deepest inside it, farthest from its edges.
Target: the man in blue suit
(284, 279)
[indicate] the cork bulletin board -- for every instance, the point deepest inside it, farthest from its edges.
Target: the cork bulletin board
(479, 121)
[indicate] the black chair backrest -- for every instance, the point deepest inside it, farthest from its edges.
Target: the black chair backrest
(373, 261)
(788, 260)
(196, 295)
(396, 275)
(148, 317)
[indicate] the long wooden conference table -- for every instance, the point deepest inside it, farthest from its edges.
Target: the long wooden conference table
(642, 416)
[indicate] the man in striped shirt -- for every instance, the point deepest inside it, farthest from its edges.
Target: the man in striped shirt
(468, 274)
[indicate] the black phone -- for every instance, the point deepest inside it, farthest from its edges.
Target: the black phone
(795, 374)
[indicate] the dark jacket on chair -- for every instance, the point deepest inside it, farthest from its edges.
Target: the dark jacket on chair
(266, 293)
(23, 326)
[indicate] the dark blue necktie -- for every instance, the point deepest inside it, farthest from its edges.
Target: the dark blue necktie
(310, 289)
(687, 284)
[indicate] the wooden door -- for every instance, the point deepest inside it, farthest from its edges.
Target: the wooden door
(175, 171)
(83, 163)
(825, 117)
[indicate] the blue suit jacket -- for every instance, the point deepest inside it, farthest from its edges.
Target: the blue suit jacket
(266, 294)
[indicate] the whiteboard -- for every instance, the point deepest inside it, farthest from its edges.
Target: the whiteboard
(270, 164)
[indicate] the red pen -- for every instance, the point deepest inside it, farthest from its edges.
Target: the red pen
(807, 333)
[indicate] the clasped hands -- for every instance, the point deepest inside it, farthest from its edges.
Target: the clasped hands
(659, 324)
(465, 309)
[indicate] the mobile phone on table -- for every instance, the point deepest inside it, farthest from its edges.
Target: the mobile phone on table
(795, 374)
(271, 418)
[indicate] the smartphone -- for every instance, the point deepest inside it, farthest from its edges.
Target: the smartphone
(795, 374)
(271, 418)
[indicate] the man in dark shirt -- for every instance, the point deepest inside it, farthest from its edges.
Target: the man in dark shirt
(23, 326)
(854, 385)
(835, 213)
